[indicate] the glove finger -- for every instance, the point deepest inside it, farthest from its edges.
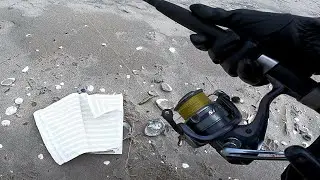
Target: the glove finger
(214, 15)
(201, 42)
(246, 23)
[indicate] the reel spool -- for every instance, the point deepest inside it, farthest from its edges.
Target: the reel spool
(217, 123)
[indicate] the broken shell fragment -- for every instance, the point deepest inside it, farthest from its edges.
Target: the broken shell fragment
(8, 81)
(166, 87)
(164, 104)
(5, 123)
(11, 110)
(154, 127)
(153, 93)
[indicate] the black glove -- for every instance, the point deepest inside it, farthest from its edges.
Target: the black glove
(292, 40)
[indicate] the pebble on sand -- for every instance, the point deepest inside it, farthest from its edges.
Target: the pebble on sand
(90, 88)
(172, 49)
(104, 44)
(1, 146)
(185, 165)
(164, 104)
(139, 48)
(58, 87)
(18, 101)
(128, 76)
(102, 90)
(40, 156)
(24, 70)
(106, 163)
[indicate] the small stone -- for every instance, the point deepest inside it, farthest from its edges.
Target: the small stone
(102, 90)
(60, 47)
(186, 84)
(304, 144)
(58, 87)
(28, 35)
(154, 127)
(28, 94)
(162, 162)
(8, 81)
(185, 165)
(120, 66)
(33, 104)
(153, 93)
(296, 119)
(164, 104)
(5, 123)
(236, 99)
(135, 72)
(172, 49)
(37, 50)
(157, 79)
(90, 88)
(54, 99)
(104, 44)
(1, 146)
(40, 156)
(145, 100)
(24, 70)
(166, 87)
(128, 76)
(18, 101)
(307, 136)
(62, 84)
(25, 123)
(11, 110)
(106, 163)
(149, 142)
(284, 143)
(143, 68)
(139, 48)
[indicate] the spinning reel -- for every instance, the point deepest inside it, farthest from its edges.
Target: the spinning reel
(217, 123)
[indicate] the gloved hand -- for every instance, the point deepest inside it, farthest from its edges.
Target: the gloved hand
(292, 40)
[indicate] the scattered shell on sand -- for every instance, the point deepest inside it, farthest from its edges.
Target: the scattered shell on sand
(172, 49)
(5, 123)
(90, 88)
(185, 165)
(8, 81)
(11, 110)
(40, 156)
(154, 127)
(102, 90)
(24, 70)
(139, 48)
(106, 163)
(18, 101)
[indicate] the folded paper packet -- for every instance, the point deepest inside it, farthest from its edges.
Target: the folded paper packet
(82, 123)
